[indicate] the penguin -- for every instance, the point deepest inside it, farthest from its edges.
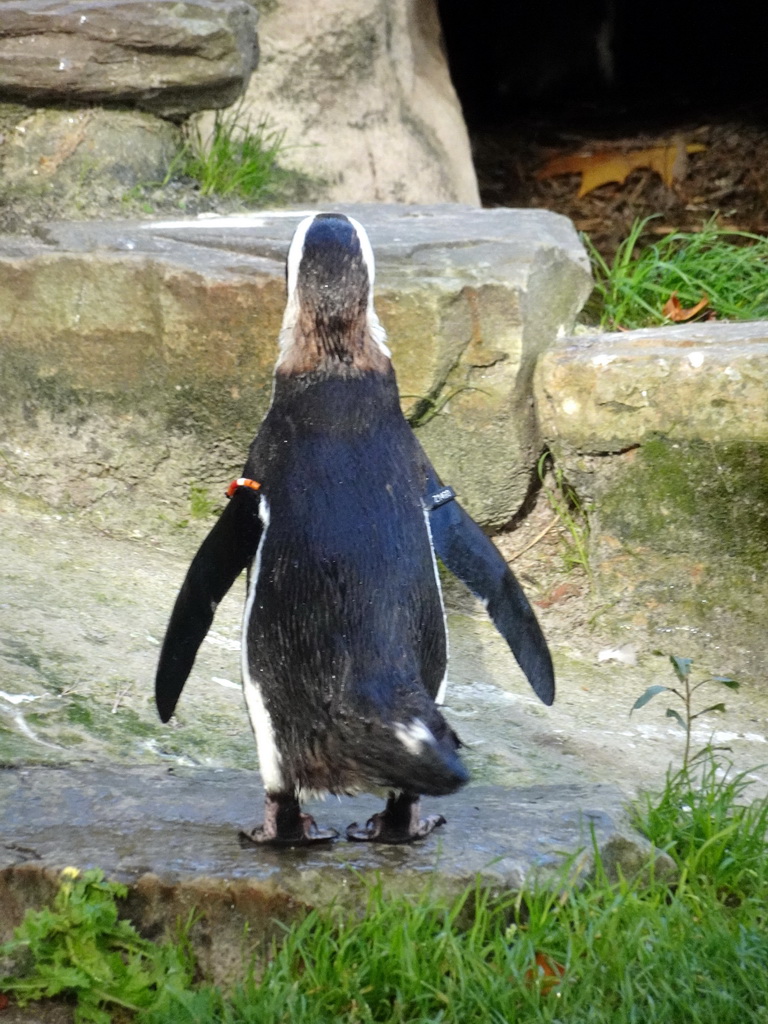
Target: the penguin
(339, 519)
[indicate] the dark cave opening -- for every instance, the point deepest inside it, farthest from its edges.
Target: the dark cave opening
(555, 78)
(607, 65)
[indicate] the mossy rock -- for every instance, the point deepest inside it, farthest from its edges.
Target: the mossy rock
(693, 496)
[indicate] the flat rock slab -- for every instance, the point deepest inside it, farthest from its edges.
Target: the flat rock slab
(696, 382)
(166, 57)
(173, 836)
(483, 245)
(186, 343)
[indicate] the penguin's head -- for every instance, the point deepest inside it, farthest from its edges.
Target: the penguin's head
(330, 323)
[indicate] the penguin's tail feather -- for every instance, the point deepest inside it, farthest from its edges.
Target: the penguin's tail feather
(418, 754)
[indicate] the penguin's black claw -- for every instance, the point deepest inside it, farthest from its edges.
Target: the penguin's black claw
(399, 822)
(377, 830)
(310, 833)
(286, 825)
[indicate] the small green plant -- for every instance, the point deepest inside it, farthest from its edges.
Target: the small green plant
(570, 511)
(684, 693)
(729, 268)
(236, 159)
(80, 949)
(714, 836)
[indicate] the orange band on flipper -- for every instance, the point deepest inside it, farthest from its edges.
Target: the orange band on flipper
(242, 481)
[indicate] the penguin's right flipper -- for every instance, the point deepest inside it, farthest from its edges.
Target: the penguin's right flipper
(226, 551)
(471, 556)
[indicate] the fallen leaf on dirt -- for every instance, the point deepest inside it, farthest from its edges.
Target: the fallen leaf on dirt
(673, 310)
(560, 593)
(598, 169)
(4, 1001)
(547, 973)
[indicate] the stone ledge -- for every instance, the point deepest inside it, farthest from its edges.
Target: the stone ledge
(165, 57)
(663, 433)
(705, 382)
(172, 835)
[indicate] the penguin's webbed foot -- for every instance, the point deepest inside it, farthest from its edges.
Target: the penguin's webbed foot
(399, 822)
(285, 824)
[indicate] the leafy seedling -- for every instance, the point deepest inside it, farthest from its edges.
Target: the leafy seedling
(684, 693)
(80, 949)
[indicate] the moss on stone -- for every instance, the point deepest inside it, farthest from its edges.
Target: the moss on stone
(701, 497)
(79, 713)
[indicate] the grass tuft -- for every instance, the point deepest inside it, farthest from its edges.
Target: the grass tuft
(235, 160)
(571, 511)
(730, 268)
(716, 837)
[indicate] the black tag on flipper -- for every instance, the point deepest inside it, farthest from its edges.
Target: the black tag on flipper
(438, 498)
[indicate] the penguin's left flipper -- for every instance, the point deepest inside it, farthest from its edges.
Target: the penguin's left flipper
(226, 551)
(399, 822)
(465, 551)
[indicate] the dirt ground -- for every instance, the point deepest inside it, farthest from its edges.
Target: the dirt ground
(728, 179)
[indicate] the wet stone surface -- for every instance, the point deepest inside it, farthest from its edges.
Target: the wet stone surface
(91, 777)
(183, 822)
(171, 833)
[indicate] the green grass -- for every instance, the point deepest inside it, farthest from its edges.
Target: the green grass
(612, 951)
(236, 160)
(716, 836)
(729, 267)
(571, 512)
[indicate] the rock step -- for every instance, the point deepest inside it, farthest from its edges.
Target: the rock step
(704, 381)
(172, 835)
(167, 331)
(663, 433)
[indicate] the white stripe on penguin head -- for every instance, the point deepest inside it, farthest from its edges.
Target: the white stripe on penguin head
(295, 256)
(378, 334)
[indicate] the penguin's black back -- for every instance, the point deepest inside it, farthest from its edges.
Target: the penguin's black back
(346, 636)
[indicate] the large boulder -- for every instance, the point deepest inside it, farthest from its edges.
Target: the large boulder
(143, 353)
(163, 56)
(663, 433)
(362, 91)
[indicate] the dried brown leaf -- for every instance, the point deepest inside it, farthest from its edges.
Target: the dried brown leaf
(598, 169)
(673, 310)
